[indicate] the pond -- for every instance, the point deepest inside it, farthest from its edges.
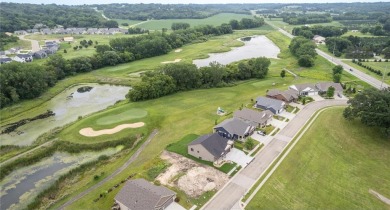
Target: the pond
(21, 186)
(257, 46)
(67, 106)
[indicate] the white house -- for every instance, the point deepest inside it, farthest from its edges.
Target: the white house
(319, 39)
(305, 89)
(22, 58)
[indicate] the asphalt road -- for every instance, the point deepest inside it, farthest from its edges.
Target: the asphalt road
(34, 43)
(233, 191)
(361, 75)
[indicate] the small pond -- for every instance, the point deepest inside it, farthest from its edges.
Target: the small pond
(257, 46)
(67, 106)
(20, 187)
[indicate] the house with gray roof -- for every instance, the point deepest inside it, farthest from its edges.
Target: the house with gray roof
(5, 59)
(305, 89)
(210, 147)
(40, 54)
(234, 128)
(253, 117)
(22, 58)
(323, 87)
(21, 32)
(287, 96)
(140, 194)
(273, 105)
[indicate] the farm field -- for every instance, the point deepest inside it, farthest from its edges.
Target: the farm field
(382, 66)
(357, 160)
(213, 20)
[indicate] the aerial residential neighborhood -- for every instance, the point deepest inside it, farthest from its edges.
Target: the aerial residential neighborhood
(163, 105)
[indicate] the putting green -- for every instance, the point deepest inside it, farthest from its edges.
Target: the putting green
(123, 116)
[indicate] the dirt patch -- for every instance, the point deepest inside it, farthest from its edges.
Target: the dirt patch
(178, 50)
(89, 132)
(175, 61)
(189, 176)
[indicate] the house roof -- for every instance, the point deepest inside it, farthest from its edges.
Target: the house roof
(139, 194)
(24, 55)
(234, 126)
(302, 87)
(269, 103)
(323, 86)
(287, 94)
(253, 116)
(5, 59)
(214, 143)
(318, 37)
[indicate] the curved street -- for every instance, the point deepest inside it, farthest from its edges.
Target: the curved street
(230, 195)
(34, 43)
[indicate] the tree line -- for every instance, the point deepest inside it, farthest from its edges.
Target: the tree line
(325, 31)
(359, 47)
(20, 81)
(171, 78)
(24, 16)
(298, 19)
(304, 50)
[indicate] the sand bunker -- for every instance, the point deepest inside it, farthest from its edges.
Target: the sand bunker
(178, 50)
(89, 132)
(189, 176)
(175, 61)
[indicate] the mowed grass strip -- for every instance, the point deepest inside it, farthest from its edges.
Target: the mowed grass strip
(332, 167)
(213, 20)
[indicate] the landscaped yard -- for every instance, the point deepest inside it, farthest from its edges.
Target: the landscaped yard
(331, 167)
(267, 129)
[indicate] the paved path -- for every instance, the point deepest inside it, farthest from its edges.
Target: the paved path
(34, 43)
(119, 170)
(233, 191)
(361, 75)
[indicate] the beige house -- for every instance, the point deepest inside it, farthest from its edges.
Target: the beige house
(68, 39)
(255, 118)
(210, 147)
(319, 39)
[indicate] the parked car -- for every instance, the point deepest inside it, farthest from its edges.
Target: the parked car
(350, 70)
(261, 133)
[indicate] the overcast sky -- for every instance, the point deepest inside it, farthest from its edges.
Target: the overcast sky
(78, 2)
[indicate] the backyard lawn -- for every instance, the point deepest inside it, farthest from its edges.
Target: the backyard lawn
(333, 166)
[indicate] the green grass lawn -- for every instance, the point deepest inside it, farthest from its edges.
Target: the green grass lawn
(331, 167)
(267, 129)
(213, 20)
(130, 22)
(26, 45)
(287, 27)
(382, 66)
(359, 34)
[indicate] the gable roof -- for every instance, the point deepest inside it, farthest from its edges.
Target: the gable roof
(5, 59)
(234, 126)
(302, 87)
(24, 55)
(139, 194)
(323, 86)
(287, 94)
(269, 103)
(253, 116)
(214, 143)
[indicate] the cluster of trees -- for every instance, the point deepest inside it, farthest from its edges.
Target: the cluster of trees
(23, 81)
(161, 43)
(176, 77)
(337, 71)
(359, 47)
(5, 39)
(298, 19)
(138, 31)
(246, 23)
(358, 62)
(304, 50)
(178, 26)
(371, 106)
(24, 16)
(169, 11)
(325, 31)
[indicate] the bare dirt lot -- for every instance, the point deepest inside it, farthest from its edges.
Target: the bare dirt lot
(189, 176)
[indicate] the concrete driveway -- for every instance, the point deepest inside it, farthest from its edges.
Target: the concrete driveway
(287, 115)
(262, 139)
(278, 123)
(238, 157)
(317, 97)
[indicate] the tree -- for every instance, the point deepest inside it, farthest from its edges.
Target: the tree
(249, 144)
(111, 58)
(283, 73)
(111, 24)
(371, 106)
(330, 92)
(306, 61)
(235, 25)
(338, 69)
(185, 75)
(178, 26)
(100, 49)
(65, 51)
(337, 78)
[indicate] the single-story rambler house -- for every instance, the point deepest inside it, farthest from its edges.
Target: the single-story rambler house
(287, 96)
(234, 128)
(315, 89)
(253, 117)
(319, 39)
(210, 147)
(140, 194)
(275, 106)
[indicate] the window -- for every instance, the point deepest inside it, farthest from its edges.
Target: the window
(192, 149)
